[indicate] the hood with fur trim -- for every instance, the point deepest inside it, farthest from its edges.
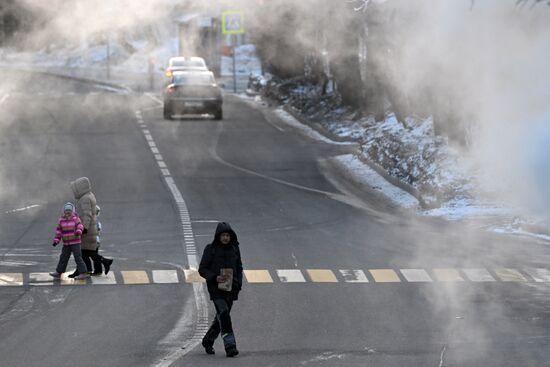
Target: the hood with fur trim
(80, 187)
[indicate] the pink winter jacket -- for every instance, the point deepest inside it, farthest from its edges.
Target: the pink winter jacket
(69, 230)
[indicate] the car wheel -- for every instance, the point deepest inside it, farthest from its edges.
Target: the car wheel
(218, 114)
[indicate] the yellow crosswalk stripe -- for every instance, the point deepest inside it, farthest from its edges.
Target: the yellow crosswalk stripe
(447, 275)
(384, 276)
(322, 276)
(510, 275)
(135, 277)
(11, 279)
(193, 276)
(258, 276)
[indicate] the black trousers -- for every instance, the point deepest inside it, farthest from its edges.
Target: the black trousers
(97, 259)
(222, 323)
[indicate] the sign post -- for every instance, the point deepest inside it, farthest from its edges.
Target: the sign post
(233, 24)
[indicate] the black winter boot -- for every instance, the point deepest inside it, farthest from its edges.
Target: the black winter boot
(230, 345)
(209, 349)
(107, 264)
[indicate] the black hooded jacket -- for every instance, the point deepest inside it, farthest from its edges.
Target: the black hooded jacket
(217, 256)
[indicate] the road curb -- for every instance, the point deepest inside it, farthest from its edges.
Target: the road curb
(359, 154)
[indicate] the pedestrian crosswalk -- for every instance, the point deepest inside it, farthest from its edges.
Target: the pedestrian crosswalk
(283, 276)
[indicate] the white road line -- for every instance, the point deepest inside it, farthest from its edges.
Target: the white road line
(290, 276)
(201, 304)
(22, 209)
(354, 276)
(4, 98)
(155, 150)
(165, 276)
(213, 152)
(479, 275)
(154, 98)
(539, 275)
(416, 275)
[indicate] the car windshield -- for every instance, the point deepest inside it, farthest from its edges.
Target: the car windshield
(195, 64)
(194, 79)
(178, 62)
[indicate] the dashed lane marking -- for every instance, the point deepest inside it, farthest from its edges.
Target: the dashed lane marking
(384, 276)
(21, 209)
(4, 98)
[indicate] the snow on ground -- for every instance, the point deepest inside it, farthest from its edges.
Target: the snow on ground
(422, 160)
(369, 177)
(457, 209)
(308, 131)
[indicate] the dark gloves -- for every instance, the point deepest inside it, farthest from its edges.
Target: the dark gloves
(84, 231)
(54, 244)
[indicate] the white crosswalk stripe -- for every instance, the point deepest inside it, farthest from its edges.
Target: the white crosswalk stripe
(165, 276)
(416, 275)
(354, 276)
(290, 276)
(539, 275)
(478, 275)
(40, 279)
(108, 279)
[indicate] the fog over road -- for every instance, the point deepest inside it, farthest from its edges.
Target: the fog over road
(334, 274)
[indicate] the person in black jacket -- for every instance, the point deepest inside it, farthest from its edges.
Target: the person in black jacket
(222, 253)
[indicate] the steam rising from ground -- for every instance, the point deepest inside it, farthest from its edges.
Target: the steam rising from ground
(483, 65)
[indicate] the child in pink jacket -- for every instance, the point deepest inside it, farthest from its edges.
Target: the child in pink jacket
(69, 229)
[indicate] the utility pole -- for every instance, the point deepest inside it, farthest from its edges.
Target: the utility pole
(234, 64)
(108, 61)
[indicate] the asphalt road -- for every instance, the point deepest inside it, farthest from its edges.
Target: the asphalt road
(327, 279)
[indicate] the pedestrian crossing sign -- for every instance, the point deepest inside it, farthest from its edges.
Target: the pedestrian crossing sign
(232, 22)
